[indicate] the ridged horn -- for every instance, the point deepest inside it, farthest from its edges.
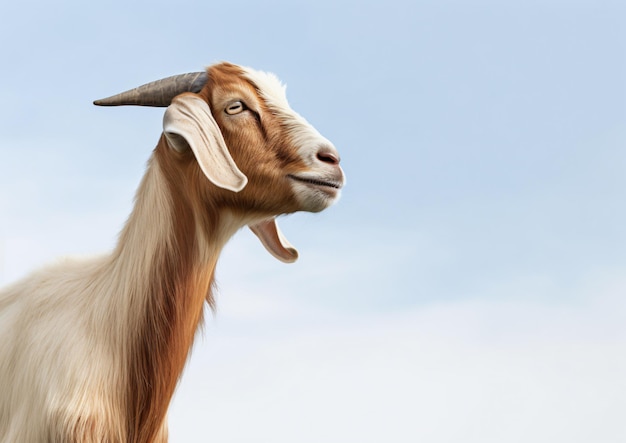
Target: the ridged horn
(158, 93)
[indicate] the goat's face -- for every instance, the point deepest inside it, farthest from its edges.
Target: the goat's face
(289, 165)
(252, 154)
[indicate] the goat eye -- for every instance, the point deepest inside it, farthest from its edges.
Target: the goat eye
(235, 108)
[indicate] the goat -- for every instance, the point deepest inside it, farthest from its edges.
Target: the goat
(91, 350)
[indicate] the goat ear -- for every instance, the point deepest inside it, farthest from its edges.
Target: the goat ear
(274, 241)
(189, 124)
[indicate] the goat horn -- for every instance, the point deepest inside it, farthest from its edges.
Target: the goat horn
(158, 93)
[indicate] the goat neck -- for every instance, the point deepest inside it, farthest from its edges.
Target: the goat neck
(165, 260)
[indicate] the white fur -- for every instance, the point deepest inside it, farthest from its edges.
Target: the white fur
(64, 329)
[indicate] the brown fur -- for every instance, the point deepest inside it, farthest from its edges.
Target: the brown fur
(260, 147)
(178, 288)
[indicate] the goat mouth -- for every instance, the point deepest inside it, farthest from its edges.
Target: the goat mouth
(316, 182)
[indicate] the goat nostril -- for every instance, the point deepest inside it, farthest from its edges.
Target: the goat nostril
(328, 157)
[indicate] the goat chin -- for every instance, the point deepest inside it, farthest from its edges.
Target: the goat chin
(91, 350)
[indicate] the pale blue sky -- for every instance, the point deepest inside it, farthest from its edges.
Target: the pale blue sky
(469, 285)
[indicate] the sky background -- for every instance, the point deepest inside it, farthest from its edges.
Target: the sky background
(469, 286)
